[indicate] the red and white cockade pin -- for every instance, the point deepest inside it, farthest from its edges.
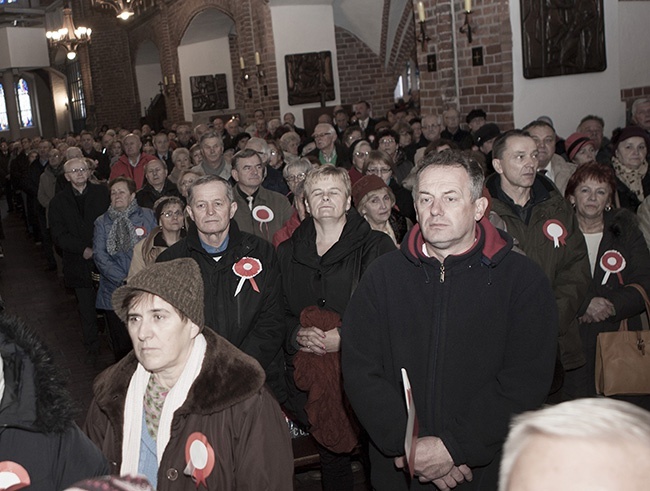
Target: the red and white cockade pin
(247, 268)
(199, 456)
(140, 231)
(263, 214)
(555, 231)
(612, 261)
(13, 476)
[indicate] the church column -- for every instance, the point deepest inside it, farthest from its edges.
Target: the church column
(9, 87)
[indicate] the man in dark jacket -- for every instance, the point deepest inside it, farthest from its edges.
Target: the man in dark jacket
(102, 162)
(156, 186)
(546, 229)
(243, 291)
(72, 215)
(40, 444)
(473, 323)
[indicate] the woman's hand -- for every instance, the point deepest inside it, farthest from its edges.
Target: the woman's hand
(317, 341)
(599, 309)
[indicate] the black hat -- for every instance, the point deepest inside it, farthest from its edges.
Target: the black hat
(475, 113)
(485, 133)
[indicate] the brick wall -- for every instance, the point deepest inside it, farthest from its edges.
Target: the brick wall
(362, 74)
(489, 86)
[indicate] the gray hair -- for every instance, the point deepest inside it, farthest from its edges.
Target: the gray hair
(210, 134)
(301, 165)
(206, 180)
(287, 138)
(637, 103)
(244, 154)
(259, 146)
(454, 158)
(178, 152)
(597, 418)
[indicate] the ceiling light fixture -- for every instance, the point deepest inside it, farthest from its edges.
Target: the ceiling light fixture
(69, 36)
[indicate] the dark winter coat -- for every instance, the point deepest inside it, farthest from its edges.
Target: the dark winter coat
(627, 198)
(72, 230)
(252, 320)
(37, 428)
(328, 281)
(147, 196)
(227, 403)
(621, 233)
(477, 335)
(566, 266)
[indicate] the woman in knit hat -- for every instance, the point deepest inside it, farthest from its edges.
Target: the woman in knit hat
(185, 408)
(580, 149)
(375, 202)
(631, 166)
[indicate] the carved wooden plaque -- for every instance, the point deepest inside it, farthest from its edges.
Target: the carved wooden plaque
(562, 37)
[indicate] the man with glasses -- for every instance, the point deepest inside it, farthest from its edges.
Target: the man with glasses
(72, 215)
(157, 185)
(328, 150)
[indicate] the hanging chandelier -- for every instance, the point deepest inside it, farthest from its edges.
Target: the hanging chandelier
(69, 36)
(125, 9)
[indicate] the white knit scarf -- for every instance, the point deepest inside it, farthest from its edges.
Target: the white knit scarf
(133, 408)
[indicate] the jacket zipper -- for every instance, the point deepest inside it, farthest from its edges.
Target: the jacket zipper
(442, 273)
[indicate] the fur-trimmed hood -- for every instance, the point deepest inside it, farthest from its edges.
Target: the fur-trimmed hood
(35, 397)
(227, 377)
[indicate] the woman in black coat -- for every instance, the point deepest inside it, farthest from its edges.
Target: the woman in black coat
(321, 266)
(619, 257)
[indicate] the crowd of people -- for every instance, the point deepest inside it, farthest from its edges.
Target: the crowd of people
(256, 274)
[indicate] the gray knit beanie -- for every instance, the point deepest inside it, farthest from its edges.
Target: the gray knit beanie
(178, 282)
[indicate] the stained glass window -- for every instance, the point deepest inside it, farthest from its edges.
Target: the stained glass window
(24, 104)
(4, 121)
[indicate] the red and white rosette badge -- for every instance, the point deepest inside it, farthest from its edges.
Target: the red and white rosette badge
(140, 231)
(247, 268)
(13, 476)
(612, 262)
(199, 456)
(263, 215)
(555, 231)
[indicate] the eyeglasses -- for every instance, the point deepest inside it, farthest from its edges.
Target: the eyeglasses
(320, 135)
(378, 171)
(386, 141)
(169, 214)
(79, 170)
(297, 177)
(361, 154)
(274, 152)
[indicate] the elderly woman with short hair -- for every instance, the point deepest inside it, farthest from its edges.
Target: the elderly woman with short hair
(169, 213)
(321, 266)
(294, 173)
(182, 162)
(116, 233)
(289, 143)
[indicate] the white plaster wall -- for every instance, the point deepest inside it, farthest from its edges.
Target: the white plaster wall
(568, 98)
(302, 29)
(634, 46)
(148, 77)
(204, 58)
(23, 47)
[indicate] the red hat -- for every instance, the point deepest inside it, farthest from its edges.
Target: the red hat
(575, 142)
(365, 185)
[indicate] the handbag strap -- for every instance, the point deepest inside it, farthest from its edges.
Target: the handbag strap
(645, 321)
